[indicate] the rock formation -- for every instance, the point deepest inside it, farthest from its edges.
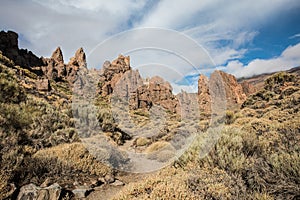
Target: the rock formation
(248, 88)
(204, 94)
(118, 77)
(56, 70)
(34, 192)
(111, 73)
(220, 82)
(43, 85)
(154, 91)
(22, 57)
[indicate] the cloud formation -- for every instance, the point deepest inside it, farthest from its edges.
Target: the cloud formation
(225, 29)
(289, 58)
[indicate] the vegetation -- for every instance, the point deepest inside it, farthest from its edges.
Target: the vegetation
(30, 124)
(255, 156)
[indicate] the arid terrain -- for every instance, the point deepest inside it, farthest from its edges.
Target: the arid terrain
(233, 139)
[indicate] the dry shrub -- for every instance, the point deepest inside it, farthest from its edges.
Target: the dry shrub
(76, 156)
(142, 141)
(215, 184)
(161, 151)
(156, 146)
(10, 89)
(167, 184)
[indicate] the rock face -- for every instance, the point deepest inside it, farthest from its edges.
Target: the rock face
(248, 88)
(118, 77)
(154, 91)
(52, 68)
(234, 91)
(9, 47)
(43, 85)
(128, 84)
(204, 94)
(220, 82)
(56, 70)
(111, 73)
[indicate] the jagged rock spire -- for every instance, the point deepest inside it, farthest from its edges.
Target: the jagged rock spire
(79, 59)
(57, 55)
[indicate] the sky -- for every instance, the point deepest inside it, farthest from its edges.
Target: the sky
(175, 39)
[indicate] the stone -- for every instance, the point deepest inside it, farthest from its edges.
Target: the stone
(154, 91)
(204, 95)
(43, 85)
(33, 192)
(109, 178)
(55, 69)
(81, 191)
(221, 88)
(57, 56)
(117, 183)
(248, 88)
(22, 57)
(111, 73)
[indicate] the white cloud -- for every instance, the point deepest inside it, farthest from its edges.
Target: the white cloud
(223, 28)
(295, 36)
(213, 22)
(289, 58)
(69, 24)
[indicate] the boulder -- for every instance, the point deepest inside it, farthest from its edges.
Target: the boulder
(33, 192)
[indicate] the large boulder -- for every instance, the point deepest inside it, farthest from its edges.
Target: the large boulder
(33, 192)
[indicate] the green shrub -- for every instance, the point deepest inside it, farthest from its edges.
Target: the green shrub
(10, 90)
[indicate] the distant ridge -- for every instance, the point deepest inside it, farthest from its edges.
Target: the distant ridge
(258, 80)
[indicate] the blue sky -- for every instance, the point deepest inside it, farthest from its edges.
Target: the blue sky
(243, 38)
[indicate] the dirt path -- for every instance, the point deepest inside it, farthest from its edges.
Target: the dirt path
(107, 191)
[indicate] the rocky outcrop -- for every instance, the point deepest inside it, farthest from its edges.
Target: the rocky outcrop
(111, 73)
(234, 91)
(56, 70)
(118, 78)
(34, 192)
(220, 82)
(128, 84)
(204, 94)
(22, 57)
(79, 59)
(248, 88)
(57, 55)
(43, 85)
(154, 91)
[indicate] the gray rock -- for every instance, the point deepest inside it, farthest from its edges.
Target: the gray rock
(81, 192)
(33, 192)
(117, 183)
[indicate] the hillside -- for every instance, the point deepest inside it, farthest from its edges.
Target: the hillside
(69, 132)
